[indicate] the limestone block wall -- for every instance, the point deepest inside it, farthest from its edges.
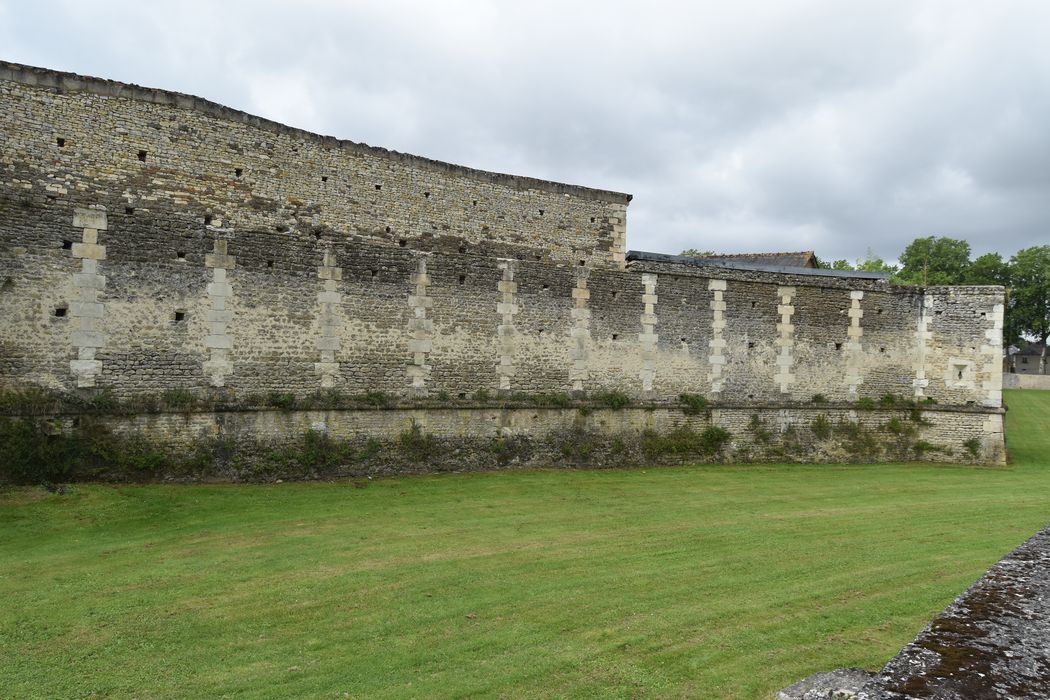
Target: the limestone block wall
(100, 142)
(168, 305)
(618, 437)
(1026, 381)
(151, 241)
(782, 336)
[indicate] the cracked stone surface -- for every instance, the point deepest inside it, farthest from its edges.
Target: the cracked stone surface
(842, 684)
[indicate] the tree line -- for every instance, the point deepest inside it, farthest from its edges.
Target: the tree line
(937, 260)
(941, 260)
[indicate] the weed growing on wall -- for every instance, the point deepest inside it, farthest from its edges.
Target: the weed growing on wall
(888, 400)
(578, 445)
(30, 453)
(180, 399)
(375, 398)
(282, 400)
(821, 427)
(612, 399)
(684, 441)
(859, 442)
(757, 429)
(417, 445)
(553, 399)
(692, 404)
(508, 449)
(972, 446)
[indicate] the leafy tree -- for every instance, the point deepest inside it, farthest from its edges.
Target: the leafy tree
(870, 263)
(873, 263)
(989, 268)
(1029, 308)
(932, 260)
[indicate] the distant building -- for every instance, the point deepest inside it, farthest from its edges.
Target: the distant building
(804, 258)
(1026, 361)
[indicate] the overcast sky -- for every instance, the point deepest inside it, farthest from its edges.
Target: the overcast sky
(737, 126)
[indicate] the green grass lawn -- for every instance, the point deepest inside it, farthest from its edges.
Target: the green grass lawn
(705, 582)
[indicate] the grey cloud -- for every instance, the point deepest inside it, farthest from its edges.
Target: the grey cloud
(737, 126)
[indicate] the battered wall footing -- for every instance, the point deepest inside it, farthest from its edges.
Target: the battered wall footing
(250, 444)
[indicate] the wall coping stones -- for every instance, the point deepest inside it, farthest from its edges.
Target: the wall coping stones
(511, 403)
(755, 267)
(61, 81)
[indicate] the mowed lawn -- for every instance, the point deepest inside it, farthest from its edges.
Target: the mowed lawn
(704, 582)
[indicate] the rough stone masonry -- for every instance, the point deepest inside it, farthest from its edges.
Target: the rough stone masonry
(152, 241)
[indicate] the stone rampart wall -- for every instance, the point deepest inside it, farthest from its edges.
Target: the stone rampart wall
(1026, 381)
(464, 438)
(154, 242)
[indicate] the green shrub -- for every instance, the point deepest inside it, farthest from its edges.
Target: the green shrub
(973, 446)
(30, 453)
(555, 399)
(318, 450)
(252, 400)
(508, 448)
(685, 441)
(889, 400)
(867, 403)
(692, 404)
(921, 447)
(481, 395)
(180, 399)
(757, 428)
(858, 440)
(371, 448)
(915, 416)
(613, 399)
(821, 427)
(30, 400)
(895, 426)
(103, 401)
(578, 445)
(374, 398)
(282, 400)
(417, 445)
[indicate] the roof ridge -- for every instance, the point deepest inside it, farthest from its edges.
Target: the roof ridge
(738, 255)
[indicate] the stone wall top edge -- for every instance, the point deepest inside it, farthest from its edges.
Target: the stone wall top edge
(62, 81)
(676, 265)
(765, 277)
(644, 407)
(688, 262)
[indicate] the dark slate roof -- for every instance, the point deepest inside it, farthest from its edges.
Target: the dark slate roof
(642, 256)
(804, 258)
